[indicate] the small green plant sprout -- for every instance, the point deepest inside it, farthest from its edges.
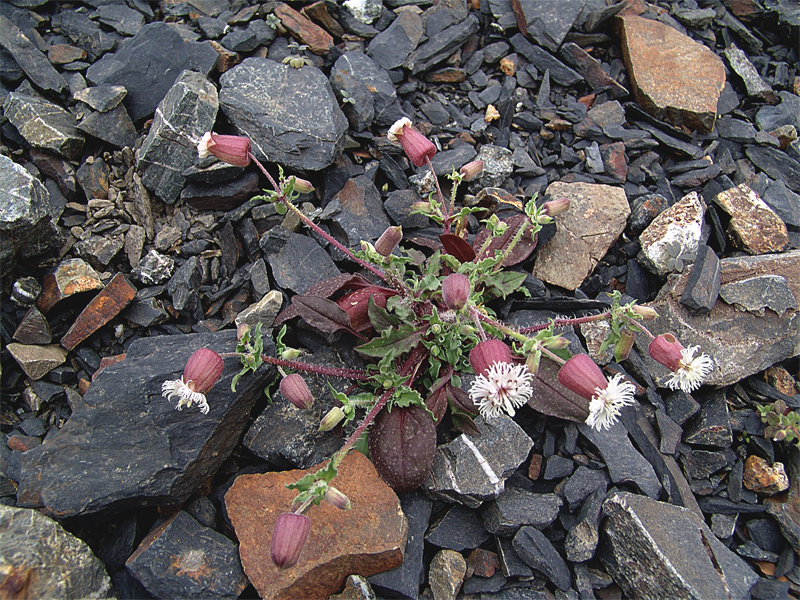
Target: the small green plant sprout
(677, 257)
(782, 424)
(347, 98)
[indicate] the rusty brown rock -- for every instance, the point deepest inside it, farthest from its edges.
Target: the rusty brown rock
(368, 539)
(62, 54)
(754, 227)
(483, 563)
(781, 379)
(319, 13)
(37, 361)
(674, 78)
(103, 307)
(72, 276)
(315, 37)
(763, 478)
(447, 75)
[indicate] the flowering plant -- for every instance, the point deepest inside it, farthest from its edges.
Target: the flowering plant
(424, 323)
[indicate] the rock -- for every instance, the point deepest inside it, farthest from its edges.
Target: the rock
(582, 484)
(187, 111)
(356, 588)
(222, 195)
(44, 125)
(470, 470)
(763, 478)
(703, 285)
(459, 529)
(446, 574)
(181, 558)
(670, 431)
(405, 579)
(264, 311)
(107, 430)
(71, 276)
(592, 71)
(498, 164)
(442, 45)
(257, 33)
(757, 293)
(102, 98)
(399, 204)
(754, 227)
(769, 118)
(723, 526)
(392, 46)
(99, 250)
(712, 425)
(37, 361)
(370, 81)
(369, 537)
(154, 268)
(114, 127)
(146, 65)
(287, 252)
(26, 226)
(317, 39)
(33, 328)
(84, 32)
(680, 224)
(547, 22)
(777, 164)
(120, 18)
(291, 115)
(145, 312)
(29, 58)
(559, 72)
(103, 307)
(739, 343)
(674, 78)
(682, 557)
(514, 508)
(39, 559)
(755, 86)
(357, 211)
(595, 219)
(700, 464)
(536, 551)
(784, 202)
(786, 510)
(581, 541)
(625, 464)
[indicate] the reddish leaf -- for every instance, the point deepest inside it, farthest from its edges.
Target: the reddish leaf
(551, 398)
(356, 304)
(402, 445)
(437, 403)
(520, 252)
(458, 247)
(460, 401)
(466, 425)
(321, 313)
(324, 289)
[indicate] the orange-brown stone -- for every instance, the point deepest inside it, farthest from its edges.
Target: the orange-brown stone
(763, 478)
(368, 539)
(674, 78)
(72, 276)
(309, 33)
(754, 226)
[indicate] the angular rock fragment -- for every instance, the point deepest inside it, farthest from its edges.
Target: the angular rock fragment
(703, 285)
(757, 293)
(459, 529)
(538, 552)
(514, 508)
(103, 307)
(29, 58)
(391, 47)
(288, 252)
(680, 224)
(754, 227)
(547, 21)
(37, 361)
(446, 574)
(44, 125)
(755, 86)
(317, 39)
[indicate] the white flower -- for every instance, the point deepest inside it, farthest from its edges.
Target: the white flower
(504, 388)
(202, 146)
(398, 128)
(606, 404)
(186, 394)
(691, 370)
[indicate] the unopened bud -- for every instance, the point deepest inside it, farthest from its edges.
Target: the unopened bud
(242, 330)
(647, 313)
(556, 207)
(456, 289)
(288, 539)
(232, 149)
(423, 207)
(624, 345)
(556, 342)
(302, 186)
(337, 498)
(780, 435)
(294, 389)
(532, 363)
(471, 170)
(389, 240)
(332, 419)
(291, 353)
(203, 370)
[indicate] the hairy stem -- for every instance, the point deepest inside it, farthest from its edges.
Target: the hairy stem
(567, 322)
(342, 452)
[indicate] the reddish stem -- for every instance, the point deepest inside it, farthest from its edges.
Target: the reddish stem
(565, 323)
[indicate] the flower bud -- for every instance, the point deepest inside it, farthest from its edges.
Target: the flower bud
(779, 436)
(203, 370)
(456, 289)
(624, 345)
(557, 342)
(302, 186)
(331, 419)
(485, 354)
(581, 375)
(556, 207)
(337, 498)
(647, 313)
(666, 349)
(288, 538)
(423, 207)
(417, 147)
(471, 170)
(294, 389)
(389, 240)
(232, 149)
(291, 353)
(242, 330)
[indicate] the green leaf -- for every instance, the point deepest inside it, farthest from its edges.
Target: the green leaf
(504, 283)
(392, 343)
(379, 317)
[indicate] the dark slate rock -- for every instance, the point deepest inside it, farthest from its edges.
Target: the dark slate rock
(671, 141)
(557, 467)
(510, 562)
(444, 162)
(107, 429)
(712, 426)
(399, 206)
(735, 482)
(181, 558)
(777, 164)
(357, 212)
(288, 252)
(680, 406)
(753, 552)
(559, 72)
(114, 127)
(392, 46)
(46, 561)
(29, 58)
(84, 32)
(625, 464)
(44, 125)
(644, 210)
(484, 586)
(536, 551)
(187, 111)
(547, 22)
(658, 550)
(757, 293)
(183, 286)
(769, 118)
(592, 71)
(697, 177)
(735, 130)
(116, 543)
(404, 581)
(147, 65)
(120, 18)
(784, 202)
(246, 39)
(289, 437)
(702, 286)
(146, 313)
(699, 464)
(459, 529)
(372, 81)
(715, 504)
(514, 508)
(291, 115)
(203, 511)
(767, 589)
(582, 484)
(439, 47)
(222, 195)
(766, 534)
(581, 541)
(102, 98)
(785, 562)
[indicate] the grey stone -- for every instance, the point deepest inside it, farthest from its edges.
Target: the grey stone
(514, 508)
(712, 425)
(154, 268)
(498, 166)
(371, 80)
(723, 526)
(784, 202)
(700, 464)
(291, 115)
(120, 18)
(536, 551)
(102, 98)
(757, 293)
(769, 118)
(735, 130)
(625, 464)
(547, 22)
(657, 550)
(181, 558)
(187, 111)
(99, 250)
(392, 46)
(29, 58)
(183, 286)
(145, 313)
(557, 467)
(84, 32)
(582, 484)
(39, 557)
(755, 86)
(559, 72)
(670, 432)
(44, 125)
(682, 223)
(442, 45)
(471, 470)
(459, 529)
(114, 127)
(399, 206)
(777, 164)
(257, 33)
(446, 574)
(357, 212)
(288, 252)
(703, 285)
(582, 538)
(124, 415)
(455, 158)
